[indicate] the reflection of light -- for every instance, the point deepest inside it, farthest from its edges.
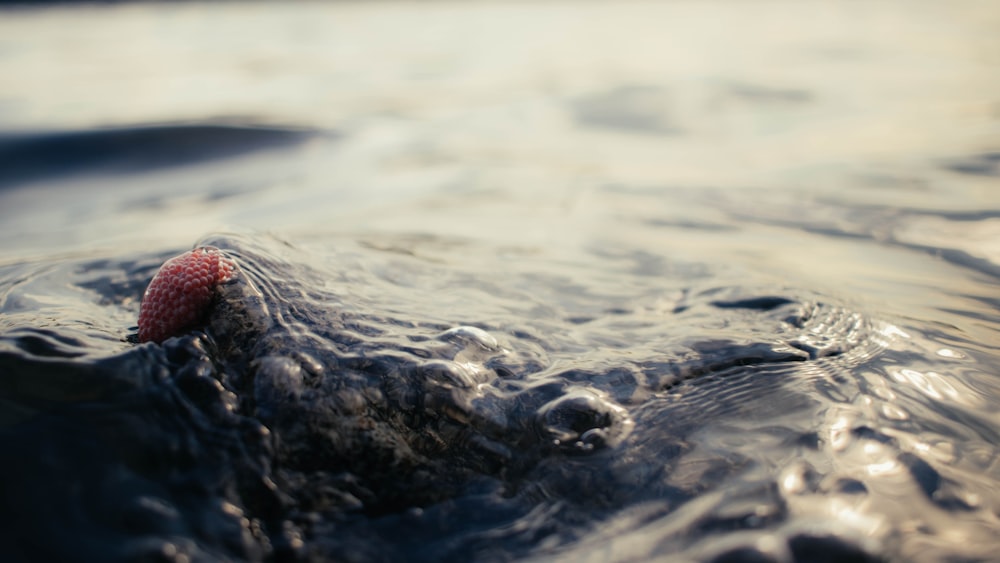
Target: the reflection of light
(889, 331)
(920, 381)
(793, 482)
(769, 543)
(171, 552)
(893, 412)
(871, 448)
(943, 384)
(949, 353)
(931, 383)
(846, 513)
(876, 452)
(889, 466)
(840, 434)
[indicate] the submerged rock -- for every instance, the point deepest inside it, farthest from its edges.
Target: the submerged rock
(326, 411)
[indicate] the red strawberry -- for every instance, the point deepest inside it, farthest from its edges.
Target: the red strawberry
(181, 292)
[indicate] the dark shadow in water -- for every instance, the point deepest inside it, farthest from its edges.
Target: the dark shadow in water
(633, 109)
(690, 225)
(986, 164)
(27, 157)
(764, 95)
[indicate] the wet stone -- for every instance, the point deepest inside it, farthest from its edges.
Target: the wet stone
(322, 412)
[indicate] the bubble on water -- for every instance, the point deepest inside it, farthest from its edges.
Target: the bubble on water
(470, 335)
(583, 420)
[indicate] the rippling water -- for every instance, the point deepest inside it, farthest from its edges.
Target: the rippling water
(570, 281)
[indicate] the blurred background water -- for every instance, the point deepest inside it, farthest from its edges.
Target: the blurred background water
(597, 157)
(887, 105)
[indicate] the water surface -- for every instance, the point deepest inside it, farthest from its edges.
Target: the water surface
(569, 281)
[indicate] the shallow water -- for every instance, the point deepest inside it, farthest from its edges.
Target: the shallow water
(571, 281)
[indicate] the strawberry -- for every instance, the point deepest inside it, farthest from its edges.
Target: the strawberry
(180, 293)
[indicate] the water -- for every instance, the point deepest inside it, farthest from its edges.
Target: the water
(571, 281)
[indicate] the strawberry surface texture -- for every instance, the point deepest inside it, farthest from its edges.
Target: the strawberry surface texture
(180, 294)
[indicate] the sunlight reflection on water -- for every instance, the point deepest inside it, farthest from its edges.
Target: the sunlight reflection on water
(752, 244)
